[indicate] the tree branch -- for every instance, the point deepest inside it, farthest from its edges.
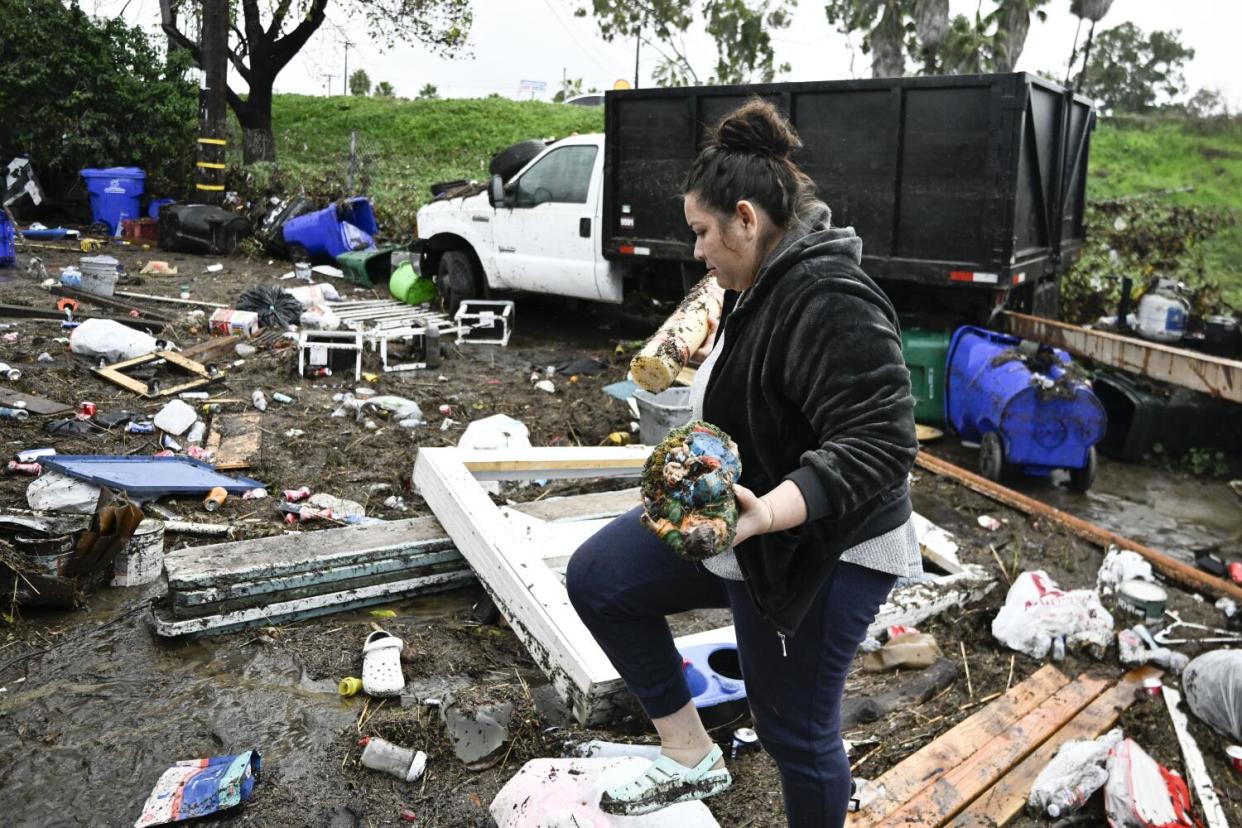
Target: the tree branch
(284, 49)
(168, 22)
(278, 18)
(254, 23)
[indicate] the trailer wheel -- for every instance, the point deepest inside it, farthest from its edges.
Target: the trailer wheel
(1082, 479)
(456, 280)
(991, 456)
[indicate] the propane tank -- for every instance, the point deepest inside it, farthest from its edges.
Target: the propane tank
(1162, 312)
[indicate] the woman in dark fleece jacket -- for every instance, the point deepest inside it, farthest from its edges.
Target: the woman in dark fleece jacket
(804, 370)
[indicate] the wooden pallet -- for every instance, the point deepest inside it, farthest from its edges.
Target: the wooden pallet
(980, 772)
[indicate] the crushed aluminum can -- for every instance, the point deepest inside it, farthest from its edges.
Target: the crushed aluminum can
(1153, 687)
(1235, 572)
(140, 428)
(282, 398)
(744, 739)
(320, 372)
(14, 414)
(1234, 754)
(86, 410)
(295, 495)
(169, 443)
(198, 453)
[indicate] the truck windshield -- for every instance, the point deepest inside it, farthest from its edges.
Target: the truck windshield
(563, 175)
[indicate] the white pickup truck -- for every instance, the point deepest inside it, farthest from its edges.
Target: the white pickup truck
(537, 232)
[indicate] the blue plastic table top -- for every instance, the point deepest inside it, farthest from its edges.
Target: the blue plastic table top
(148, 477)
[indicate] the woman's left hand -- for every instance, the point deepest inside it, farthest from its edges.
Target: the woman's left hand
(754, 515)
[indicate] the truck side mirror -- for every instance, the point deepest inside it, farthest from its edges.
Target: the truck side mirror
(496, 192)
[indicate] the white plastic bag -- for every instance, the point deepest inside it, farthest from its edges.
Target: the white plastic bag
(1141, 793)
(319, 317)
(1213, 687)
(1037, 612)
(1074, 774)
(110, 340)
(1119, 566)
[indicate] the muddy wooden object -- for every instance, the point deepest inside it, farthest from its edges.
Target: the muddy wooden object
(35, 405)
(1200, 781)
(235, 440)
(108, 302)
(918, 688)
(115, 374)
(1175, 570)
(1213, 375)
(1005, 800)
(914, 604)
(933, 760)
(23, 312)
(666, 353)
(231, 586)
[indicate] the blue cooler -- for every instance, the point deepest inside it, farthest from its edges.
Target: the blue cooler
(1022, 408)
(116, 194)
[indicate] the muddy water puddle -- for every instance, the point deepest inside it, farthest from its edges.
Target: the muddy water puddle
(108, 707)
(1169, 511)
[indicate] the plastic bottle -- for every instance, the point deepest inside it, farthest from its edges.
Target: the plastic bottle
(382, 755)
(1066, 801)
(13, 413)
(197, 432)
(260, 401)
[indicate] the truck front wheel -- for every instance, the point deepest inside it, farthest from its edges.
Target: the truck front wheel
(456, 279)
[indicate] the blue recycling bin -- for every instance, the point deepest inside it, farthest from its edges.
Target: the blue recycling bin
(153, 208)
(1028, 409)
(116, 194)
(8, 242)
(336, 229)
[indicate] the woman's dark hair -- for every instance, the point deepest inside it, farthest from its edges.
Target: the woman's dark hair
(747, 158)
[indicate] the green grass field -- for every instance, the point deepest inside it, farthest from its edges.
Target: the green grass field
(1132, 157)
(405, 146)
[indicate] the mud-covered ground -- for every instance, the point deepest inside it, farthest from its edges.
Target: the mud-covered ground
(94, 707)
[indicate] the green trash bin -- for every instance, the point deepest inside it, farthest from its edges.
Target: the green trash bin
(925, 353)
(367, 267)
(408, 286)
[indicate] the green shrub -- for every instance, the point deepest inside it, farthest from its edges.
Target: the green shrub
(78, 92)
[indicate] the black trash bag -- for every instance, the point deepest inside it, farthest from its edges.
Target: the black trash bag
(201, 228)
(271, 230)
(276, 308)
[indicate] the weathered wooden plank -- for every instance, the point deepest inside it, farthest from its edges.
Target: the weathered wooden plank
(921, 768)
(35, 405)
(303, 608)
(946, 796)
(582, 507)
(562, 463)
(1197, 371)
(1005, 800)
(235, 440)
(255, 593)
(232, 562)
(1200, 780)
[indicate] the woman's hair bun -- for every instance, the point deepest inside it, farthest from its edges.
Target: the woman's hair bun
(757, 128)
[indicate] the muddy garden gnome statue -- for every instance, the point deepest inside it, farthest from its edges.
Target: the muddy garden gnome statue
(687, 488)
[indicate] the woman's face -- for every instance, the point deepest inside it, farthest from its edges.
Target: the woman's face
(731, 248)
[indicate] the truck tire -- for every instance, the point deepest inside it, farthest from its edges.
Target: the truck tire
(456, 279)
(508, 161)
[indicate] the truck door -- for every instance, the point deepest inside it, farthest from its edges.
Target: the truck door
(547, 241)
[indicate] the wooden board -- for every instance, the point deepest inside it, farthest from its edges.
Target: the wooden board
(235, 440)
(951, 793)
(1005, 800)
(921, 768)
(582, 507)
(1200, 781)
(35, 405)
(914, 604)
(115, 373)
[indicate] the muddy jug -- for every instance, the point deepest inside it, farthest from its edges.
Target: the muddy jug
(382, 755)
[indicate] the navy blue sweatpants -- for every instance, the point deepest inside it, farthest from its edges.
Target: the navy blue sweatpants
(624, 580)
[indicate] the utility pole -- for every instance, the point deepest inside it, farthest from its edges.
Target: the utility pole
(345, 85)
(213, 101)
(564, 84)
(638, 44)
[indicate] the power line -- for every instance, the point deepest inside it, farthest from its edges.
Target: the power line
(576, 41)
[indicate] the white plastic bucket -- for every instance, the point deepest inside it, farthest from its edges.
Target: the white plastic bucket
(658, 414)
(142, 559)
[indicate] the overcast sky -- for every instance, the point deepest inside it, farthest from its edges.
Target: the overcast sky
(539, 40)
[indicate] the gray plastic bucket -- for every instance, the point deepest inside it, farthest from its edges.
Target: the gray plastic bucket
(658, 414)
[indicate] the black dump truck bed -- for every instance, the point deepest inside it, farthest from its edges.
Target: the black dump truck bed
(961, 182)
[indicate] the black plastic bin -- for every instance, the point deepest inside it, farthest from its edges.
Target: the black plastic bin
(201, 228)
(1142, 415)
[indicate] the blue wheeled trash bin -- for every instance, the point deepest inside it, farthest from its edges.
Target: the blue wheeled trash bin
(1024, 405)
(116, 194)
(340, 228)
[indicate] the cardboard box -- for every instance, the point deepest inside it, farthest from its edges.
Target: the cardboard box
(227, 322)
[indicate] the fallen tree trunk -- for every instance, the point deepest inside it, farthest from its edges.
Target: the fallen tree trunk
(664, 355)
